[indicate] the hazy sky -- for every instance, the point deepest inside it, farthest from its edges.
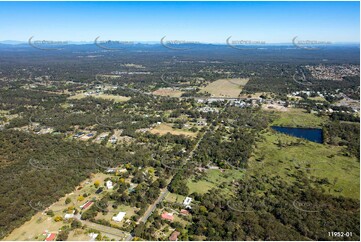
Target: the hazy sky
(273, 22)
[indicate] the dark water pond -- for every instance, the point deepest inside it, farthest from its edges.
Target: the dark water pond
(314, 135)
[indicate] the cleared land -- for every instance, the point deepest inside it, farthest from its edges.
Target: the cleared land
(296, 117)
(78, 235)
(228, 88)
(101, 96)
(163, 129)
(130, 211)
(30, 230)
(33, 228)
(213, 178)
(274, 106)
(284, 155)
(174, 198)
(168, 92)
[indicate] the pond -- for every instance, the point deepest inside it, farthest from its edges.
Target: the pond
(311, 134)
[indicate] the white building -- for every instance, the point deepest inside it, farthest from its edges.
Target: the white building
(69, 215)
(119, 217)
(109, 184)
(187, 201)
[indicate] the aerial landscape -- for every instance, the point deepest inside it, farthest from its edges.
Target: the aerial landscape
(179, 121)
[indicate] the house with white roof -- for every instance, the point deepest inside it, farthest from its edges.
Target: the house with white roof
(109, 184)
(187, 201)
(119, 217)
(69, 215)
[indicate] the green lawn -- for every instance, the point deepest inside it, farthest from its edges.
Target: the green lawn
(316, 160)
(174, 198)
(296, 117)
(212, 179)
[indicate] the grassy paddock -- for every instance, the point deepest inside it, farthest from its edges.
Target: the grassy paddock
(296, 117)
(213, 179)
(163, 129)
(226, 87)
(316, 161)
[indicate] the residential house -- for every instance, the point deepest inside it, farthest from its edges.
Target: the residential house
(50, 237)
(119, 217)
(168, 216)
(187, 201)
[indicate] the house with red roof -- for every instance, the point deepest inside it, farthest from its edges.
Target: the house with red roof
(168, 216)
(50, 237)
(184, 212)
(86, 205)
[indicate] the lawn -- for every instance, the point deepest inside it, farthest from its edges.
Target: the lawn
(130, 211)
(315, 160)
(296, 117)
(174, 198)
(168, 92)
(163, 129)
(212, 179)
(230, 88)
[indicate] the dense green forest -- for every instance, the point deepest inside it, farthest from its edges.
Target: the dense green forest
(275, 211)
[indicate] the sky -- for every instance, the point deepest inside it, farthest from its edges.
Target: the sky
(209, 22)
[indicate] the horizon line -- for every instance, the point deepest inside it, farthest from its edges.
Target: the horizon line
(153, 42)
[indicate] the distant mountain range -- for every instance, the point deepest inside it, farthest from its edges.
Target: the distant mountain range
(18, 42)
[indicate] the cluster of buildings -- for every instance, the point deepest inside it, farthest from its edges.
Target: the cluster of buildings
(238, 102)
(333, 72)
(186, 203)
(208, 109)
(83, 135)
(170, 217)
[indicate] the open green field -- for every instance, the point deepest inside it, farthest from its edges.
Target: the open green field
(225, 87)
(165, 128)
(213, 179)
(168, 92)
(284, 155)
(174, 198)
(296, 117)
(130, 211)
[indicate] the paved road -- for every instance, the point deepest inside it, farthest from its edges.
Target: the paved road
(109, 231)
(165, 191)
(152, 207)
